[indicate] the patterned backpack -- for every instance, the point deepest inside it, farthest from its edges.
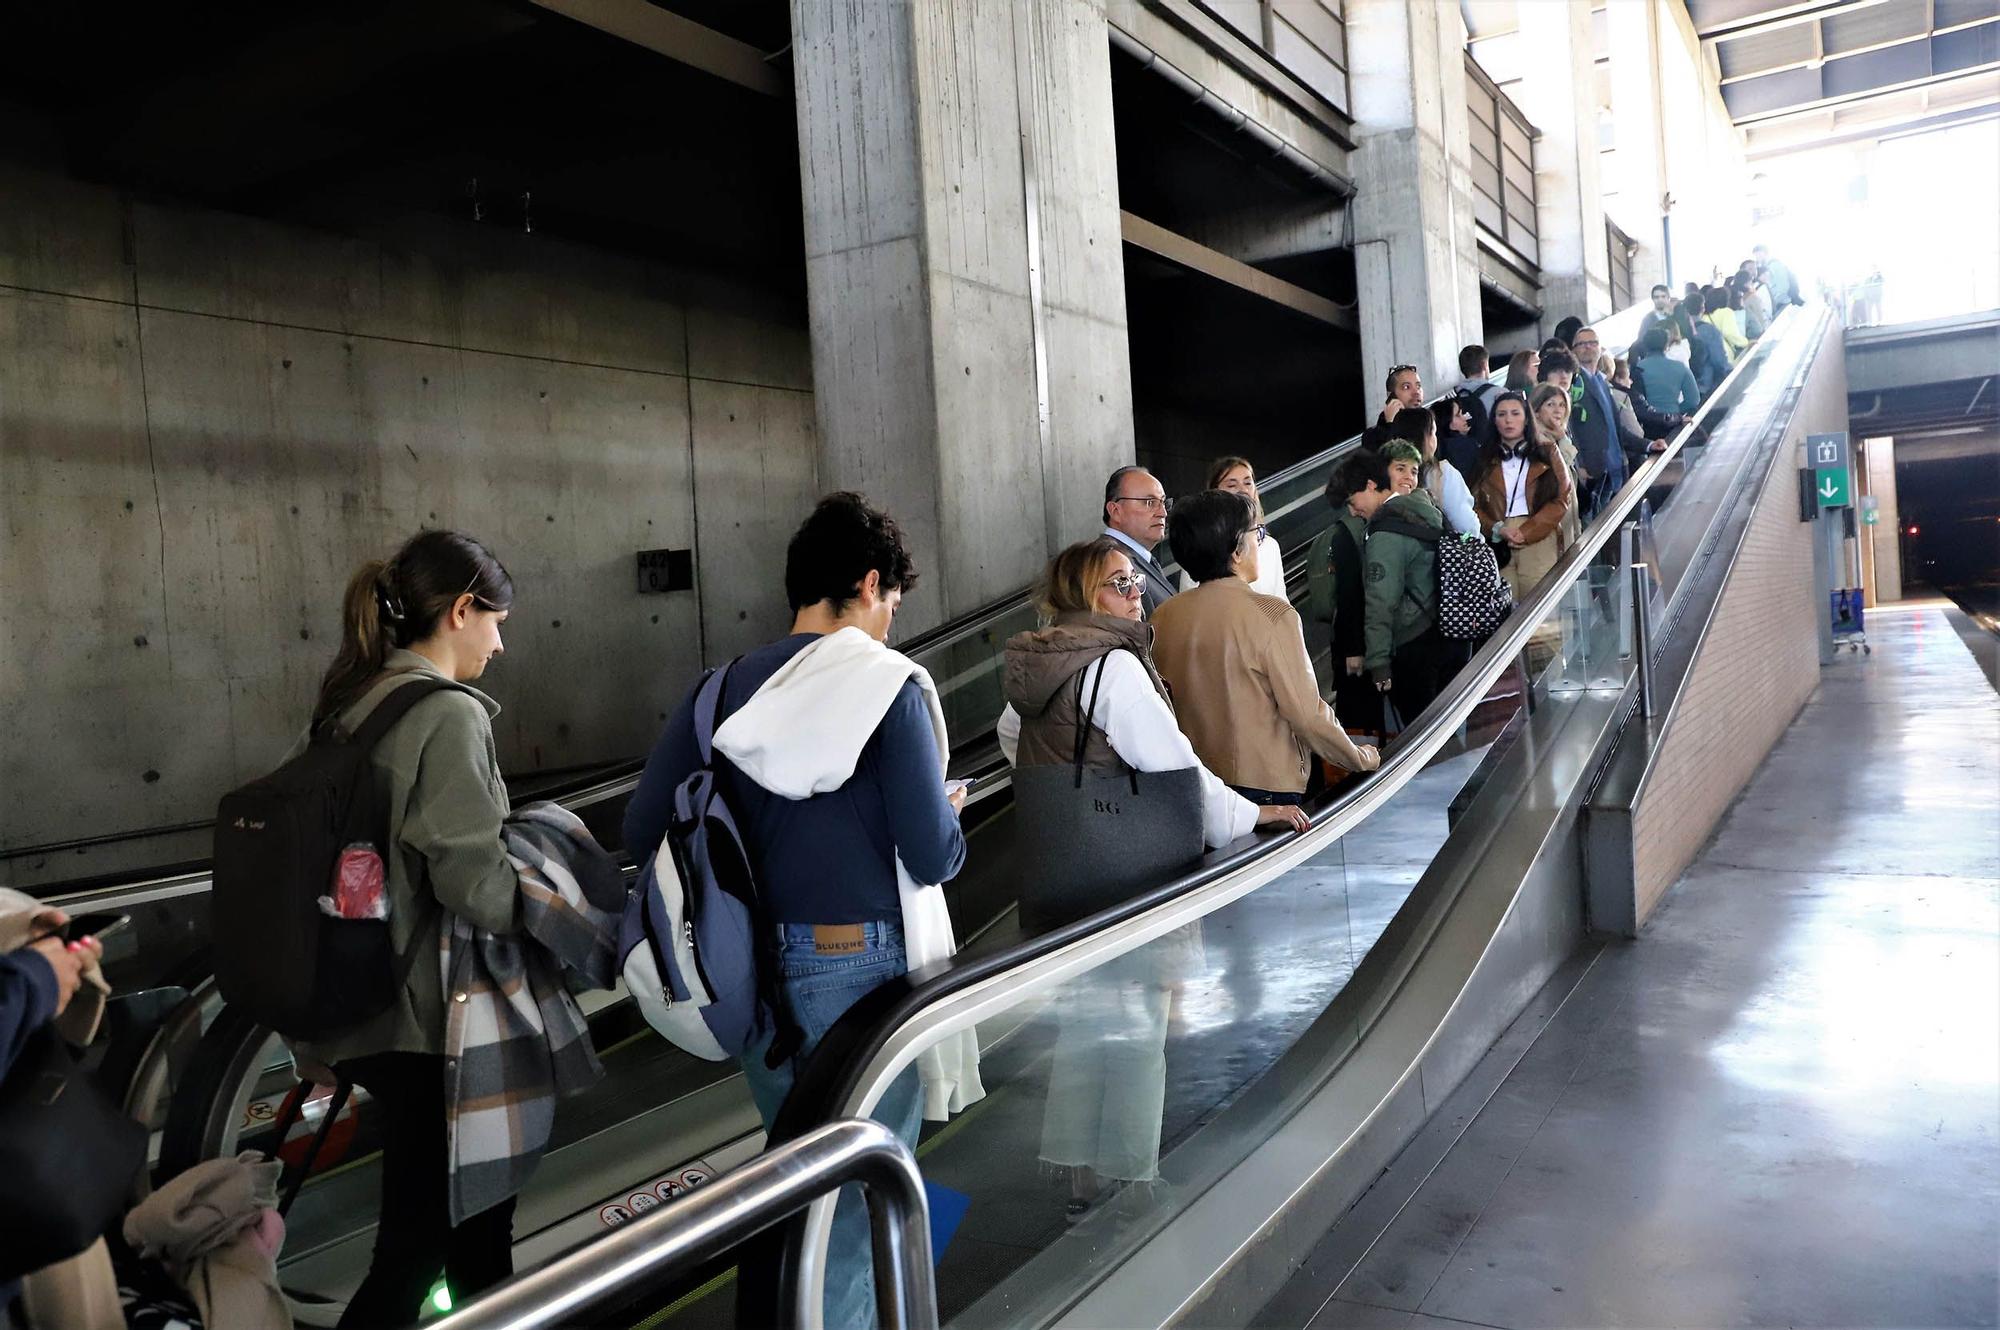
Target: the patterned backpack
(1473, 599)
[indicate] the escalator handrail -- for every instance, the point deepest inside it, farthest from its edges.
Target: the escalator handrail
(881, 1034)
(831, 1077)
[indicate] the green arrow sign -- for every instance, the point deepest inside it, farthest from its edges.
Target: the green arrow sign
(1831, 487)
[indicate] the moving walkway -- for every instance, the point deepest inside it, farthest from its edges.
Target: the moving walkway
(1276, 968)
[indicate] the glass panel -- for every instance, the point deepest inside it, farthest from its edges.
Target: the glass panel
(1246, 16)
(1515, 137)
(1304, 59)
(1487, 213)
(1485, 177)
(967, 670)
(1312, 22)
(1480, 104)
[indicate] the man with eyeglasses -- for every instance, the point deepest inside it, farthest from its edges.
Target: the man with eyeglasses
(1135, 515)
(1603, 452)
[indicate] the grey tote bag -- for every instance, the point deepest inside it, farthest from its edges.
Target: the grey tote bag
(1091, 840)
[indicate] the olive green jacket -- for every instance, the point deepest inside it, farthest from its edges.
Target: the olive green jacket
(1333, 595)
(446, 804)
(1400, 580)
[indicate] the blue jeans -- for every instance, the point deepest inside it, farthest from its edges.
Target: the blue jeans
(819, 987)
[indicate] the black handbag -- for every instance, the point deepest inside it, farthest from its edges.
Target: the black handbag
(1095, 840)
(68, 1158)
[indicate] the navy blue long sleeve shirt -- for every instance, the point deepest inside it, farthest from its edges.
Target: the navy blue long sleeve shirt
(27, 1002)
(829, 859)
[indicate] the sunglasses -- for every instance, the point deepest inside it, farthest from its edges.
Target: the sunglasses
(1126, 585)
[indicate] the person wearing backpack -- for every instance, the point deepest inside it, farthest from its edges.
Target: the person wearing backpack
(1334, 569)
(834, 815)
(1405, 652)
(1440, 481)
(1475, 392)
(430, 616)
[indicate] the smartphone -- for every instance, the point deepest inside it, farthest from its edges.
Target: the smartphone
(99, 926)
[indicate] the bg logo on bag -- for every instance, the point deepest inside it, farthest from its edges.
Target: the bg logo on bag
(1106, 806)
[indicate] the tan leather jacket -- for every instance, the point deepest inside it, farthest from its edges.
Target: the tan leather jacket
(1244, 689)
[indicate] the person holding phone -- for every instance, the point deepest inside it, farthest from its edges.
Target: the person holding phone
(38, 980)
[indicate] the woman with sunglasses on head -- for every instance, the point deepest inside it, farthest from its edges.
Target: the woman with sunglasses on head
(1236, 475)
(433, 612)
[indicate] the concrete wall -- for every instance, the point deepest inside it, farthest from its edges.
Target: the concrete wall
(207, 420)
(1704, 166)
(1758, 663)
(1881, 544)
(960, 187)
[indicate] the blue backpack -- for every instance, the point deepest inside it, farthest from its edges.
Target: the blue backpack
(688, 941)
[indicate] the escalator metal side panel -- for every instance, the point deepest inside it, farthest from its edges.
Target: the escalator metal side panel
(1695, 576)
(1497, 912)
(1501, 909)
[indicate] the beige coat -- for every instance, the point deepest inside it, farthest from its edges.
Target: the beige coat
(1243, 687)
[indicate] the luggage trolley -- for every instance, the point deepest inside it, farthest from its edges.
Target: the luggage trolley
(1848, 629)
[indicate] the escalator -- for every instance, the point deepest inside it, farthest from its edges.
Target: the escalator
(1250, 1025)
(211, 1082)
(1237, 1053)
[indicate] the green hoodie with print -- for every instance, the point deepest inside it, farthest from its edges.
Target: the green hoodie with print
(1400, 578)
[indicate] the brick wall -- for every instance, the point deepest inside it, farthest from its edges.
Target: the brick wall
(1756, 668)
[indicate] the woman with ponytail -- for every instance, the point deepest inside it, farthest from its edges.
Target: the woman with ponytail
(432, 612)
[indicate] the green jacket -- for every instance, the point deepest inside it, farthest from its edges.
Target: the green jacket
(446, 804)
(1400, 584)
(1333, 594)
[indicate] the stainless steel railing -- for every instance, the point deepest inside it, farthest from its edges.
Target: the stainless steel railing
(728, 1211)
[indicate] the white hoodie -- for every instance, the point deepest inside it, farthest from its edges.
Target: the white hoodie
(802, 734)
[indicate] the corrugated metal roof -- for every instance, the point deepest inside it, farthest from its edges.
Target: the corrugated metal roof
(1875, 25)
(1769, 48)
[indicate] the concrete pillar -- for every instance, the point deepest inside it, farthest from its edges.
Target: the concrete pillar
(1416, 266)
(1635, 117)
(1881, 544)
(1555, 93)
(964, 271)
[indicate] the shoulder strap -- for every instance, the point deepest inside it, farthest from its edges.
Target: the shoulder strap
(1401, 526)
(1084, 713)
(396, 704)
(708, 710)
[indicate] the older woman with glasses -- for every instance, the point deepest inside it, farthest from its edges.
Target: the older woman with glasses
(1237, 662)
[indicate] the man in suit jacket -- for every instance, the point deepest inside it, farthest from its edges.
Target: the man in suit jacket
(1135, 515)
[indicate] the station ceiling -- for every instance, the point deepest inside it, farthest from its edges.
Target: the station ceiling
(1795, 74)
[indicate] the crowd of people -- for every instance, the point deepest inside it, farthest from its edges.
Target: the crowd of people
(1195, 696)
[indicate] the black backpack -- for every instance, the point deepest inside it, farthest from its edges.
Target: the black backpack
(279, 843)
(1473, 403)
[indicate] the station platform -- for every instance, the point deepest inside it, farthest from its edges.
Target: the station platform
(1781, 1106)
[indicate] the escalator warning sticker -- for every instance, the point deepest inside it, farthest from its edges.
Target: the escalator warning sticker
(664, 1189)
